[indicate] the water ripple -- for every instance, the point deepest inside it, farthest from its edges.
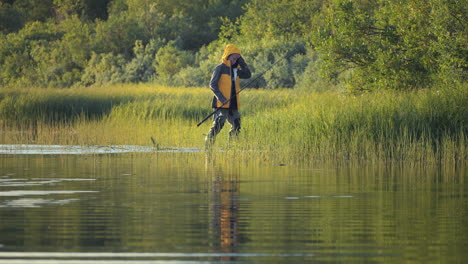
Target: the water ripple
(35, 202)
(80, 150)
(34, 192)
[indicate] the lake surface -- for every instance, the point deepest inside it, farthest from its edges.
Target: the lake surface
(189, 208)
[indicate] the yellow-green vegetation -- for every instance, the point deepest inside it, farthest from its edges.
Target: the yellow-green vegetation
(288, 125)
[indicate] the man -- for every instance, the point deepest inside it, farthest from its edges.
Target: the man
(225, 86)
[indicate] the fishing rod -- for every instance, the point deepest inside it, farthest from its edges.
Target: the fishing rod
(245, 86)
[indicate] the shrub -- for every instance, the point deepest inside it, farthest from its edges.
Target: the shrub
(169, 61)
(18, 65)
(306, 68)
(117, 35)
(10, 19)
(274, 58)
(104, 68)
(141, 68)
(394, 44)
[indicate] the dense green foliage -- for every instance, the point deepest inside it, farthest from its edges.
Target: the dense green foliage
(360, 45)
(61, 43)
(395, 44)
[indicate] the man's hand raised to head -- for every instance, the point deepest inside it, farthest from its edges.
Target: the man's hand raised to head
(241, 62)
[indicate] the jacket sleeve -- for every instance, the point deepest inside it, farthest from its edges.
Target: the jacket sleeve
(244, 71)
(214, 84)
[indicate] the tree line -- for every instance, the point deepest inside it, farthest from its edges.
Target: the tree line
(329, 44)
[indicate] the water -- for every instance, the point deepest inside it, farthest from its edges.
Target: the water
(175, 207)
(81, 150)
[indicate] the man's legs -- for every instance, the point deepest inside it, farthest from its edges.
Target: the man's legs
(235, 121)
(219, 120)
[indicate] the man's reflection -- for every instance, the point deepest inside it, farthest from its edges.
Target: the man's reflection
(224, 210)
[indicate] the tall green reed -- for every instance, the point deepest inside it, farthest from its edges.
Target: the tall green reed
(282, 125)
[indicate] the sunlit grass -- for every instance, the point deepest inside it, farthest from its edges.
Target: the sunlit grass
(287, 126)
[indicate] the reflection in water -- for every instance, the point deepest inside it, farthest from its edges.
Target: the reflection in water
(224, 209)
(183, 207)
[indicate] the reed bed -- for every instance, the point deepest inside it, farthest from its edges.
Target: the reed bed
(283, 126)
